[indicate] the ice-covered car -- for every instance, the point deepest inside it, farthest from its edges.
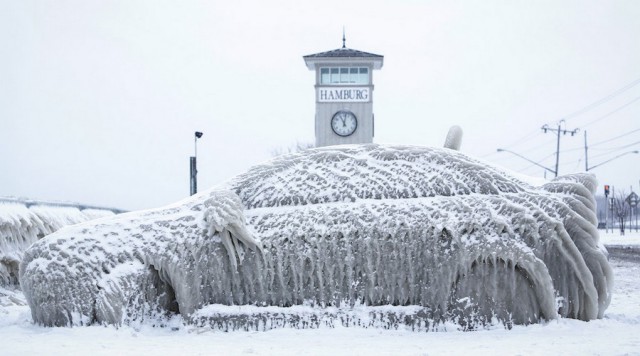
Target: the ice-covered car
(360, 235)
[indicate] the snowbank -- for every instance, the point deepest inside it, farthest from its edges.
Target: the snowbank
(338, 227)
(613, 237)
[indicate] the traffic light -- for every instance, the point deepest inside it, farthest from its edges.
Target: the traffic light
(606, 190)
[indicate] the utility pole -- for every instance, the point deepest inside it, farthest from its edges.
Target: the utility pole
(586, 155)
(559, 130)
(606, 209)
(630, 210)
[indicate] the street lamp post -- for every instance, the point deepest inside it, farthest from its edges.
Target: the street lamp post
(526, 159)
(609, 160)
(193, 171)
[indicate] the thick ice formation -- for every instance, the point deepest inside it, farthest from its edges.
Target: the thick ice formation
(454, 138)
(20, 226)
(417, 235)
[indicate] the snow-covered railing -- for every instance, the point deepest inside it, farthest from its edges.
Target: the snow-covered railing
(32, 202)
(24, 221)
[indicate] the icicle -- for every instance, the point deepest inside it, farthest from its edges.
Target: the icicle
(223, 215)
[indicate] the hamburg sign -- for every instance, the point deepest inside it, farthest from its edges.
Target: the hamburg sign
(343, 95)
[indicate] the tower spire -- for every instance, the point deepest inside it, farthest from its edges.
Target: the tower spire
(343, 38)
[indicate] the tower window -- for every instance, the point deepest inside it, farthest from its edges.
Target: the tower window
(363, 77)
(344, 75)
(335, 75)
(325, 77)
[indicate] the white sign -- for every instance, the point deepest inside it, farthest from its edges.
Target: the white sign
(342, 95)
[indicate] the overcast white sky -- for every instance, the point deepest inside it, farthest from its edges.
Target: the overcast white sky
(99, 99)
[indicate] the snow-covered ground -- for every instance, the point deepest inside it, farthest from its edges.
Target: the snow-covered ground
(614, 237)
(618, 333)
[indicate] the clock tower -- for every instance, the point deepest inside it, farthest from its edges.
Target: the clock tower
(344, 95)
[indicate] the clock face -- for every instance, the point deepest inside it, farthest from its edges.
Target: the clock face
(344, 123)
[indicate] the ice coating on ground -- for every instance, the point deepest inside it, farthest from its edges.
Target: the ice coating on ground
(20, 226)
(429, 235)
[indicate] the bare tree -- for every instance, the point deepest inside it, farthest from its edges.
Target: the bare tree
(621, 209)
(299, 146)
(601, 218)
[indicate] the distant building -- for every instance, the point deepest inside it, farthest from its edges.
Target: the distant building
(344, 95)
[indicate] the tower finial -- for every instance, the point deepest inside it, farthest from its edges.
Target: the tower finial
(343, 38)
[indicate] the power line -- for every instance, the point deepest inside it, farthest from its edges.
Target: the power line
(602, 117)
(586, 149)
(519, 141)
(524, 139)
(538, 147)
(603, 100)
(612, 112)
(527, 137)
(615, 138)
(608, 149)
(616, 149)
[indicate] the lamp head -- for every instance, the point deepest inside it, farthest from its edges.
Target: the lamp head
(198, 134)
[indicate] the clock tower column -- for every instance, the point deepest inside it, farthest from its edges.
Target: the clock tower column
(344, 95)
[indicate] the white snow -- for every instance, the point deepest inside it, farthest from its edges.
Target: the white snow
(630, 238)
(616, 334)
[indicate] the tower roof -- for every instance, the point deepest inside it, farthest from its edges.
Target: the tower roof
(343, 53)
(340, 55)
